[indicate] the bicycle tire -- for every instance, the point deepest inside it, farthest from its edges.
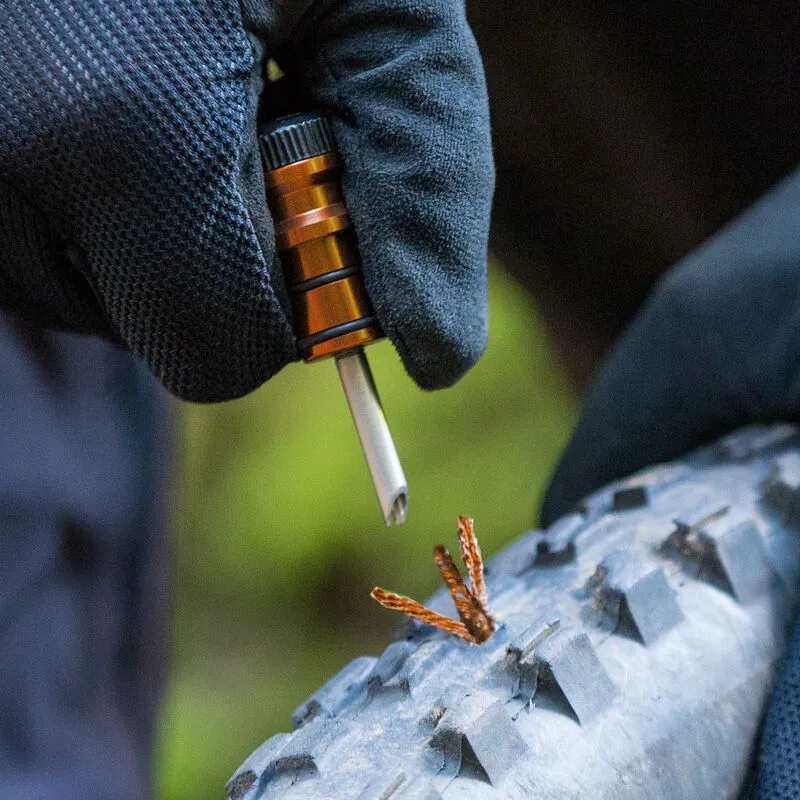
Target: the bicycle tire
(637, 644)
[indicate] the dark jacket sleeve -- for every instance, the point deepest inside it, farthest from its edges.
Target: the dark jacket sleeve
(83, 626)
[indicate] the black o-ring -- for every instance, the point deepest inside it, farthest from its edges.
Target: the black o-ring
(336, 330)
(324, 279)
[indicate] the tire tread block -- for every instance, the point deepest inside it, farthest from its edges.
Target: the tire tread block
(782, 488)
(567, 665)
(631, 590)
(739, 550)
(298, 759)
(337, 693)
(256, 764)
(724, 548)
(478, 737)
(388, 666)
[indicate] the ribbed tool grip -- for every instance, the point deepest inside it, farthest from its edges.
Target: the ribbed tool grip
(294, 138)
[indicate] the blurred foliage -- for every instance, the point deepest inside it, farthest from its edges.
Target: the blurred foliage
(280, 538)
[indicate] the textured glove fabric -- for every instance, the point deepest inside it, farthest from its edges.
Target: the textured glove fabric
(779, 762)
(716, 347)
(131, 196)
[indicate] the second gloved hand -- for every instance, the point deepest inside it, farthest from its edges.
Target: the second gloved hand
(131, 192)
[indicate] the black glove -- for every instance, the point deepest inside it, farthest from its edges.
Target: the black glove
(131, 190)
(716, 347)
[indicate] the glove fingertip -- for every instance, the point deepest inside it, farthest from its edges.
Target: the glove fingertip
(438, 350)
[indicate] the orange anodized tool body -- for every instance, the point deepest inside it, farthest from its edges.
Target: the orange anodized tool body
(332, 311)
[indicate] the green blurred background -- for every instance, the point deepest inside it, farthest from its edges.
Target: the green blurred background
(279, 536)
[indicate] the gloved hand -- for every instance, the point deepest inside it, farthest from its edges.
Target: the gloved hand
(716, 347)
(131, 191)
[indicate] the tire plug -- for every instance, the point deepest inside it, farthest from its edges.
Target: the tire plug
(476, 622)
(332, 313)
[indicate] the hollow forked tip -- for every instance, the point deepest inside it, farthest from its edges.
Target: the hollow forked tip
(398, 510)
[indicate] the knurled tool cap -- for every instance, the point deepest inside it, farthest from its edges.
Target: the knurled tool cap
(294, 138)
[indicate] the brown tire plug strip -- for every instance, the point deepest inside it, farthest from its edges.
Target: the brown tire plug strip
(472, 602)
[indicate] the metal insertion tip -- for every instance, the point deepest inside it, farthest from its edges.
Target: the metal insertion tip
(399, 509)
(376, 440)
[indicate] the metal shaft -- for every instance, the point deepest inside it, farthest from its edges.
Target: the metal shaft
(376, 440)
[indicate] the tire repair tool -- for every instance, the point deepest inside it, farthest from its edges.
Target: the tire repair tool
(333, 315)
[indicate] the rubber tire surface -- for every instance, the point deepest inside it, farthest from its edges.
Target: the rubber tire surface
(636, 650)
